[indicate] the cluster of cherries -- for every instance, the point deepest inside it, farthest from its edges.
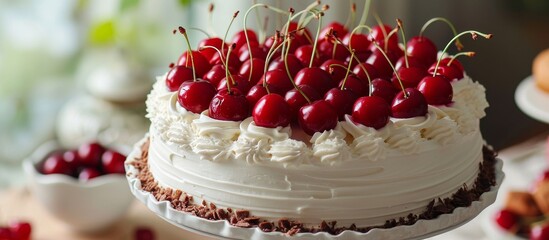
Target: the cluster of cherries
(293, 77)
(86, 162)
(16, 230)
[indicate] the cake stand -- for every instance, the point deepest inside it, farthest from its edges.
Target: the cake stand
(222, 229)
(532, 100)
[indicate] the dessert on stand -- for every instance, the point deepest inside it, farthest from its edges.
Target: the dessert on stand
(347, 133)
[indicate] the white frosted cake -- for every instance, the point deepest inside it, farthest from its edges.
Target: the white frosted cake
(292, 153)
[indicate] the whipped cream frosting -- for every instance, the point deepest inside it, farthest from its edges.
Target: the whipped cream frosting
(350, 174)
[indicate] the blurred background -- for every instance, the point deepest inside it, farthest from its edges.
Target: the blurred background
(97, 57)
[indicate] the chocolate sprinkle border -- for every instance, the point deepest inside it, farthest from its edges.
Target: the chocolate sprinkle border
(180, 201)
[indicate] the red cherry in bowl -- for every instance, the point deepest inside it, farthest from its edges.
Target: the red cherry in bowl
(296, 100)
(201, 64)
(113, 162)
(196, 96)
(409, 76)
(422, 48)
(55, 164)
(540, 231)
(371, 111)
(271, 111)
(316, 78)
(506, 219)
(229, 106)
(317, 116)
(413, 104)
(437, 90)
(177, 75)
(90, 154)
(341, 101)
(88, 173)
(71, 157)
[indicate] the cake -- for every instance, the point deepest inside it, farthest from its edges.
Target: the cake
(412, 149)
(540, 70)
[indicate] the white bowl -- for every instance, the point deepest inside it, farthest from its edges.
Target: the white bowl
(84, 206)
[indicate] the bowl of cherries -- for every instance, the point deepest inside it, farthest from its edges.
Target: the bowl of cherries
(85, 188)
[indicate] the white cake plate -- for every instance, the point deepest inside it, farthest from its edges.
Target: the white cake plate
(222, 229)
(532, 100)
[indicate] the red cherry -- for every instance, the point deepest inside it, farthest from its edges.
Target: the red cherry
(454, 63)
(5, 233)
(213, 42)
(229, 106)
(544, 176)
(355, 85)
(257, 69)
(55, 164)
(361, 56)
(410, 77)
(318, 116)
(407, 107)
(234, 62)
(87, 174)
(371, 111)
(113, 162)
(341, 101)
(271, 111)
(90, 154)
(201, 64)
(370, 69)
(326, 49)
(449, 72)
(422, 48)
(294, 65)
(237, 82)
(378, 35)
(143, 233)
(412, 62)
(240, 38)
(337, 73)
(304, 53)
(316, 78)
(540, 231)
(383, 89)
(358, 41)
(436, 90)
(337, 27)
(215, 74)
(71, 157)
(256, 93)
(378, 60)
(301, 37)
(506, 219)
(278, 79)
(296, 100)
(196, 96)
(177, 75)
(256, 50)
(20, 230)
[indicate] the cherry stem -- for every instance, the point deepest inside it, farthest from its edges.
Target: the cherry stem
(399, 24)
(358, 28)
(228, 75)
(272, 50)
(285, 54)
(468, 54)
(393, 67)
(381, 25)
(440, 19)
(287, 29)
(348, 70)
(262, 29)
(391, 33)
(200, 30)
(210, 19)
(365, 12)
(301, 21)
(227, 32)
(474, 35)
(189, 51)
(319, 15)
(218, 52)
